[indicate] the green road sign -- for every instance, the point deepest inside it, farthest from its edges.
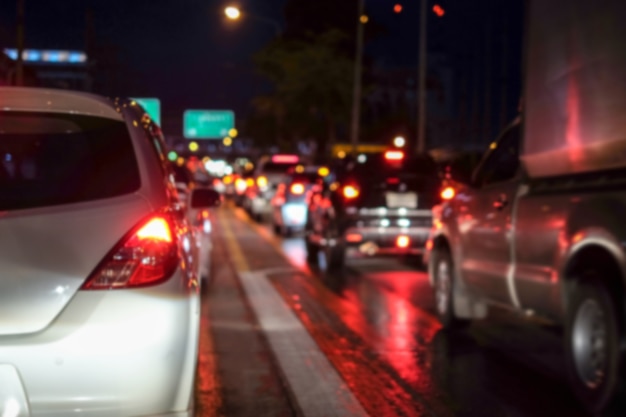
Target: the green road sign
(207, 124)
(152, 107)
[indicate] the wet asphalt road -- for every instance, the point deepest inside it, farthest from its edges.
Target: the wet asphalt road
(375, 323)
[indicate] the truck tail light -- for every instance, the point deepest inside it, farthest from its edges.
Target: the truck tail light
(350, 192)
(297, 188)
(146, 256)
(448, 193)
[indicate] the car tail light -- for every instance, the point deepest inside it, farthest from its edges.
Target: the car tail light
(350, 192)
(403, 242)
(448, 193)
(354, 237)
(297, 189)
(394, 155)
(146, 256)
(261, 181)
(393, 180)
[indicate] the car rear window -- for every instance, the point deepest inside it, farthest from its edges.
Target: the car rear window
(49, 159)
(305, 177)
(378, 168)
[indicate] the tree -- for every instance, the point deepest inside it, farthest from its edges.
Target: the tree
(312, 87)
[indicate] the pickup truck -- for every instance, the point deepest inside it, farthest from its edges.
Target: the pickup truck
(541, 227)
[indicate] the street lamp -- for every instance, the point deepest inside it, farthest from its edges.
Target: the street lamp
(358, 73)
(234, 13)
(421, 80)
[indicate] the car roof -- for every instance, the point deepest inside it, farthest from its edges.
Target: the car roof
(26, 99)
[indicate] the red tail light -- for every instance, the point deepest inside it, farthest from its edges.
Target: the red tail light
(146, 256)
(394, 155)
(350, 191)
(448, 193)
(354, 237)
(297, 188)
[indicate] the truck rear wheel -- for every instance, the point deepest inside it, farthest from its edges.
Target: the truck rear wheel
(444, 282)
(592, 344)
(312, 250)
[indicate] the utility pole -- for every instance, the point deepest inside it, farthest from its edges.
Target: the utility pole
(488, 28)
(504, 71)
(19, 63)
(358, 69)
(421, 83)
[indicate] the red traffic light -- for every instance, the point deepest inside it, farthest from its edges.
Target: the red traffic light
(397, 8)
(438, 10)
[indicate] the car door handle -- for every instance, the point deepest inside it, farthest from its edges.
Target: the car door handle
(501, 202)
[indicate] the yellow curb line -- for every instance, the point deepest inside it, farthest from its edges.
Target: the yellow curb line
(236, 254)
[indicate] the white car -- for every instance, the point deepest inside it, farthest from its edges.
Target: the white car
(99, 282)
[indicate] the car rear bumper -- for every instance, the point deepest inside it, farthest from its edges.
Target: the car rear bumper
(260, 205)
(384, 240)
(111, 353)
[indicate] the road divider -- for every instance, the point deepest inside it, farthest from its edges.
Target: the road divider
(315, 384)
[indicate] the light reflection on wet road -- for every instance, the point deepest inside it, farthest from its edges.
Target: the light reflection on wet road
(499, 367)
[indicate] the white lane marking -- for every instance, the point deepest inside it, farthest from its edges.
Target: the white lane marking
(315, 383)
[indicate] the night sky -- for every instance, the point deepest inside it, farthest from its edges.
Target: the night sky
(188, 55)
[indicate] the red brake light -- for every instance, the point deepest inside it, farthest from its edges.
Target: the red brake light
(156, 229)
(297, 188)
(350, 191)
(393, 180)
(285, 159)
(394, 155)
(448, 193)
(354, 237)
(148, 255)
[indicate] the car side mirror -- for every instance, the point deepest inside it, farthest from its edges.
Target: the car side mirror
(205, 197)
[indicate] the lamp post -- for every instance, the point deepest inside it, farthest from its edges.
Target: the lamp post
(421, 83)
(19, 63)
(234, 13)
(358, 69)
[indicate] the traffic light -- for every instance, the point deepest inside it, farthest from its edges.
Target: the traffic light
(397, 8)
(438, 10)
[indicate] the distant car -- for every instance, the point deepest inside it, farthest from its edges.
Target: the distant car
(380, 206)
(290, 203)
(183, 180)
(242, 183)
(99, 290)
(270, 171)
